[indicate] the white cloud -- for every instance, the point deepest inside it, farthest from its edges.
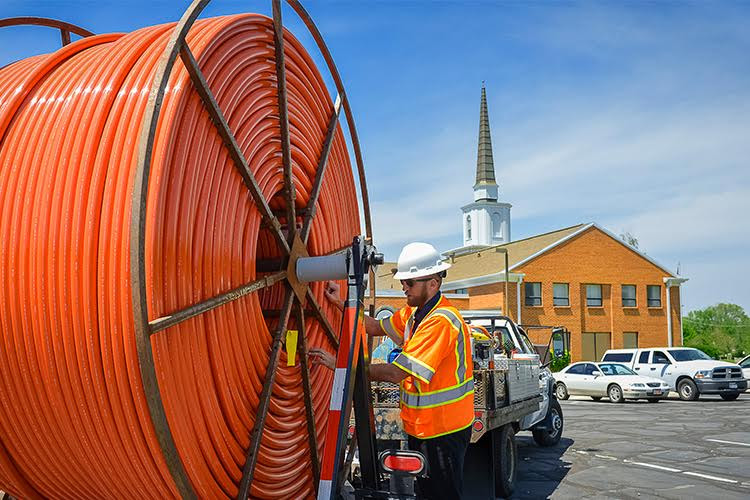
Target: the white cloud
(715, 278)
(709, 222)
(664, 155)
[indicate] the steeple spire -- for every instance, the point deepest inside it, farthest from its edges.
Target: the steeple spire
(485, 187)
(486, 221)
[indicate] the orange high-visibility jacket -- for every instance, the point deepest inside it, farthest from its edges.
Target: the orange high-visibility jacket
(437, 397)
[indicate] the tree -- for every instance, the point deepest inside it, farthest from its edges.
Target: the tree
(720, 330)
(559, 363)
(628, 238)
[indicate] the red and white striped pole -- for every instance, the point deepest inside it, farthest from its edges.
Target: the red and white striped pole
(351, 337)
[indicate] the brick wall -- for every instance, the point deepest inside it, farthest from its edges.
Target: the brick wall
(595, 258)
(590, 258)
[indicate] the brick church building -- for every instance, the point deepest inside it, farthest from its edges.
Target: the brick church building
(605, 292)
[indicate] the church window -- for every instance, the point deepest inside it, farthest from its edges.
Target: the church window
(496, 225)
(560, 294)
(468, 227)
(594, 295)
(533, 295)
(653, 295)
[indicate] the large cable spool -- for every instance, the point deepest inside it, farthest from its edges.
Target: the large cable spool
(156, 188)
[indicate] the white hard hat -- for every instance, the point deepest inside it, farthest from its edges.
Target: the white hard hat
(418, 260)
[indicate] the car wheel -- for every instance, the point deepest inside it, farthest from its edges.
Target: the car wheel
(561, 391)
(506, 452)
(731, 396)
(615, 393)
(653, 400)
(687, 390)
(596, 398)
(554, 420)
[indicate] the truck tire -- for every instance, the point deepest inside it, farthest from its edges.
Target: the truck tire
(506, 453)
(614, 392)
(554, 423)
(561, 392)
(687, 390)
(730, 396)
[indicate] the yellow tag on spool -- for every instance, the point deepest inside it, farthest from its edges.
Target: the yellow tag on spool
(291, 347)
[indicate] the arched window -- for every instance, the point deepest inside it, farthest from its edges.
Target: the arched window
(497, 230)
(468, 227)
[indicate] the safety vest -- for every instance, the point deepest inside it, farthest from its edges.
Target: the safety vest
(437, 397)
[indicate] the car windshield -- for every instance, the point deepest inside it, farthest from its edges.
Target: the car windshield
(688, 354)
(615, 369)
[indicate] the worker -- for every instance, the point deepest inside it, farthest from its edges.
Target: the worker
(434, 369)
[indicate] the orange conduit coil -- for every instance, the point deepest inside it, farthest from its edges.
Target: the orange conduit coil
(77, 416)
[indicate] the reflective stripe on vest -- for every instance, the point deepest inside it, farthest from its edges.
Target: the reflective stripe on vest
(437, 398)
(460, 347)
(388, 328)
(414, 366)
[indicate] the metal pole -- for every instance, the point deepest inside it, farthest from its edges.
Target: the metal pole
(505, 306)
(669, 316)
(519, 281)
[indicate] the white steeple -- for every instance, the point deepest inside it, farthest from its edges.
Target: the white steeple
(485, 222)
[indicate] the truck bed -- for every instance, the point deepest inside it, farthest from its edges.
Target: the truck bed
(501, 396)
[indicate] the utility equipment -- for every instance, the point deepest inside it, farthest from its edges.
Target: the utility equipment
(156, 188)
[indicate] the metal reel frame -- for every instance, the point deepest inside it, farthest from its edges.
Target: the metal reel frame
(65, 28)
(298, 298)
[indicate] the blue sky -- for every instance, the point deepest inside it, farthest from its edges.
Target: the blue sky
(635, 115)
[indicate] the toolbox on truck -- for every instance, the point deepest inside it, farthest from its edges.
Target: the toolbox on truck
(492, 406)
(522, 379)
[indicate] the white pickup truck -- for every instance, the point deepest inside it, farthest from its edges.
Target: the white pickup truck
(690, 372)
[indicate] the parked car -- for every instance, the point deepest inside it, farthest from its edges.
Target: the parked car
(613, 380)
(688, 371)
(745, 365)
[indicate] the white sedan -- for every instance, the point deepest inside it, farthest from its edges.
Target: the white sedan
(612, 380)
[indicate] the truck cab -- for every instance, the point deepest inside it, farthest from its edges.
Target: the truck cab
(690, 372)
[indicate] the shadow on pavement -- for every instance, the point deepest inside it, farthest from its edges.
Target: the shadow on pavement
(540, 470)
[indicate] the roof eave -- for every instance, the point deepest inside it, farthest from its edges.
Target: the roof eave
(664, 268)
(605, 231)
(552, 245)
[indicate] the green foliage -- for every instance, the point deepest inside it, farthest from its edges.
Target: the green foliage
(558, 364)
(629, 239)
(720, 331)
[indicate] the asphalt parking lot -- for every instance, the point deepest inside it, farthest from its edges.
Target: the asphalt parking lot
(671, 449)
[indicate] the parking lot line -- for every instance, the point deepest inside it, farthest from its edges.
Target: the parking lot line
(713, 478)
(653, 466)
(728, 442)
(671, 469)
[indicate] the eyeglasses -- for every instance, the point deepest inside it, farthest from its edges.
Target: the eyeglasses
(410, 282)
